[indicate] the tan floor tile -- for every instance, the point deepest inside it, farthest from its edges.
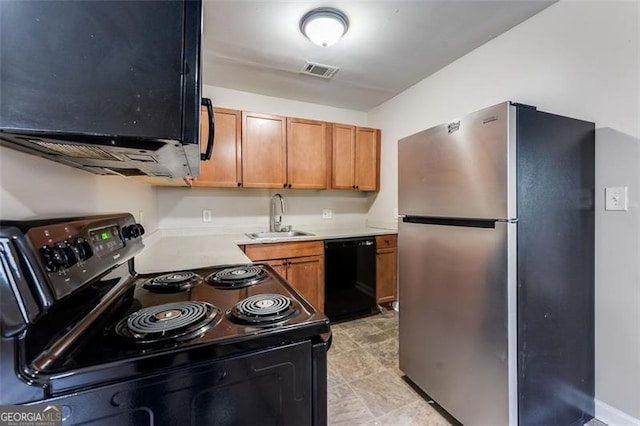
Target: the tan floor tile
(345, 408)
(354, 364)
(385, 351)
(383, 392)
(392, 329)
(396, 370)
(353, 323)
(334, 378)
(340, 341)
(418, 413)
(385, 321)
(366, 333)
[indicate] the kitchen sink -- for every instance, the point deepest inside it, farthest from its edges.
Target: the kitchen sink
(281, 234)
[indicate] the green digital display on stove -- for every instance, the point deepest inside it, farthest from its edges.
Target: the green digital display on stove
(106, 240)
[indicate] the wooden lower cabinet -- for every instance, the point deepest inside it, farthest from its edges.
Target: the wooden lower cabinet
(386, 268)
(279, 265)
(306, 274)
(300, 263)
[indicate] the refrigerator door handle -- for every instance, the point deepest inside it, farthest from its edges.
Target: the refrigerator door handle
(470, 223)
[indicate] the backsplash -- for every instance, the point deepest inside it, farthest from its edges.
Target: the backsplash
(248, 209)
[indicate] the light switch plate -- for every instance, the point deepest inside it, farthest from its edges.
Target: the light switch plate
(327, 213)
(616, 198)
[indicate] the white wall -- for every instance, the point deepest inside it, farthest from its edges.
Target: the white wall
(234, 99)
(580, 59)
(248, 208)
(35, 187)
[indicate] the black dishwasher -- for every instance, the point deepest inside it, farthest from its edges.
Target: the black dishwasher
(349, 277)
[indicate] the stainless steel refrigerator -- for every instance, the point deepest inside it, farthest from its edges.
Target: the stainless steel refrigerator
(496, 266)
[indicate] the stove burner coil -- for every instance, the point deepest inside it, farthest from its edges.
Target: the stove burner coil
(174, 282)
(237, 277)
(178, 320)
(264, 309)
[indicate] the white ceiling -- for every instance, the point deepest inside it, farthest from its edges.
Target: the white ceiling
(256, 46)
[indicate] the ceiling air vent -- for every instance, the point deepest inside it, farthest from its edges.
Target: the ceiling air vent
(319, 70)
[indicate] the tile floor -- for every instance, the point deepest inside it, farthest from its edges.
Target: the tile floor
(365, 385)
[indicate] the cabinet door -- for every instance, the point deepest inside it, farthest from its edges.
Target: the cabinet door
(224, 168)
(279, 265)
(367, 159)
(305, 274)
(264, 163)
(386, 275)
(306, 154)
(343, 156)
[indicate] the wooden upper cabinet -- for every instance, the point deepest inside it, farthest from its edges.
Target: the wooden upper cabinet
(306, 154)
(224, 169)
(264, 150)
(343, 143)
(355, 162)
(367, 164)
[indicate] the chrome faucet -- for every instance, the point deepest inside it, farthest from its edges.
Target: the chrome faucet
(274, 225)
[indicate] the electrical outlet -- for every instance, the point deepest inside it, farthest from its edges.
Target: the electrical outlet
(327, 213)
(615, 198)
(206, 215)
(141, 217)
(395, 213)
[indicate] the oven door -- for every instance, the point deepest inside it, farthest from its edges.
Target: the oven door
(270, 386)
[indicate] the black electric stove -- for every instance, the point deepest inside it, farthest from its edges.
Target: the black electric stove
(82, 330)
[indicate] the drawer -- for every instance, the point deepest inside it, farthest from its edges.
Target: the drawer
(283, 250)
(386, 241)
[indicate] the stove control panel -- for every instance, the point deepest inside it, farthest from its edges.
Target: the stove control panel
(106, 240)
(132, 231)
(60, 255)
(75, 251)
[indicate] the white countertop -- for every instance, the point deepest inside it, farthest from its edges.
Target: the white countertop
(175, 249)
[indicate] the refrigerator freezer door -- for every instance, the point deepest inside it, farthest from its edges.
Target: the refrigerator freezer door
(457, 318)
(464, 169)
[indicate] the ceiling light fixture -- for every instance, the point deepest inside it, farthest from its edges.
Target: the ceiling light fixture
(324, 26)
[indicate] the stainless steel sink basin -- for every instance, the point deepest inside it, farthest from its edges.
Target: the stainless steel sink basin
(274, 235)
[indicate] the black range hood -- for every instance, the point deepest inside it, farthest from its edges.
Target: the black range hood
(112, 87)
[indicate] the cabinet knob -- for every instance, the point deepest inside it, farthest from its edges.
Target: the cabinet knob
(284, 185)
(289, 185)
(357, 187)
(353, 187)
(239, 184)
